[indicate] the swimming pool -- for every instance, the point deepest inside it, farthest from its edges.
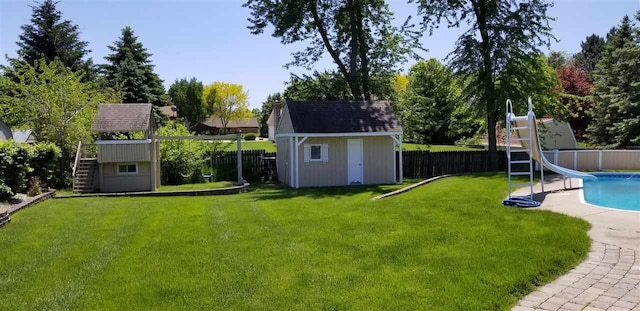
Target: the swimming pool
(613, 190)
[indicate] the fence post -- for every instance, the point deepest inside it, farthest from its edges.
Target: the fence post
(600, 160)
(239, 156)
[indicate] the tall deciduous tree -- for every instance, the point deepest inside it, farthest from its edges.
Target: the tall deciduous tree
(500, 31)
(616, 115)
(187, 96)
(52, 100)
(357, 34)
(226, 102)
(557, 59)
(50, 37)
(590, 54)
(130, 69)
(575, 98)
(427, 103)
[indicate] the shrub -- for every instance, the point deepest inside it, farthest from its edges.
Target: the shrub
(5, 192)
(250, 136)
(43, 162)
(14, 164)
(179, 159)
(34, 186)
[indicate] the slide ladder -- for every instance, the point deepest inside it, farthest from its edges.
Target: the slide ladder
(525, 130)
(519, 160)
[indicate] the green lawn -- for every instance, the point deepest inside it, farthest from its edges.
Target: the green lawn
(201, 186)
(448, 245)
(271, 147)
(436, 148)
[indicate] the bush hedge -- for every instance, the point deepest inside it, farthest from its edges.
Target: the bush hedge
(250, 136)
(19, 162)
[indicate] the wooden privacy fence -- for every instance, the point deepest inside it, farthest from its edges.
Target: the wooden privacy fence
(259, 165)
(424, 164)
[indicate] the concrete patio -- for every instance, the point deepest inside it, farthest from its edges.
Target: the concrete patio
(609, 279)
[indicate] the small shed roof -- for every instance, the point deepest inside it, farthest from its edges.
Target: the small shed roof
(122, 118)
(343, 117)
(24, 136)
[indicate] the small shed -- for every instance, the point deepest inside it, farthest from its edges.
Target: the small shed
(338, 143)
(556, 134)
(115, 164)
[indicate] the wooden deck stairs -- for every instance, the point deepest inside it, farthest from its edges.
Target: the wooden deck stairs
(86, 175)
(85, 169)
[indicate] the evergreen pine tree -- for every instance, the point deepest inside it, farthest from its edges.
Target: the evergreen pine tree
(130, 70)
(590, 54)
(616, 115)
(50, 37)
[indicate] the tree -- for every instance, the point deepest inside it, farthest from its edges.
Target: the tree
(558, 59)
(426, 105)
(54, 101)
(616, 114)
(500, 31)
(590, 54)
(265, 112)
(187, 96)
(575, 98)
(227, 102)
(130, 69)
(357, 34)
(50, 37)
(327, 85)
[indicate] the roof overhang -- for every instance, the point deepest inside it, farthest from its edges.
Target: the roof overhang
(352, 134)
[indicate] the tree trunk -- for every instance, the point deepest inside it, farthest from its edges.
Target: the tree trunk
(353, 51)
(363, 48)
(486, 76)
(327, 44)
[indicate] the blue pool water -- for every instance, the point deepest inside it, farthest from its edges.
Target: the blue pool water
(614, 190)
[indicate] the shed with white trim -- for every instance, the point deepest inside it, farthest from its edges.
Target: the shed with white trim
(338, 143)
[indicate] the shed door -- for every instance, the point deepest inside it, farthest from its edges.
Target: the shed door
(354, 161)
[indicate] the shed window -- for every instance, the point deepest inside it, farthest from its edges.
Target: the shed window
(316, 152)
(130, 168)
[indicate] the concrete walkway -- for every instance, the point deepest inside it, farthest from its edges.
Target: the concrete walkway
(609, 279)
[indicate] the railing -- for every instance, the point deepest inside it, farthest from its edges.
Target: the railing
(83, 151)
(75, 163)
(595, 160)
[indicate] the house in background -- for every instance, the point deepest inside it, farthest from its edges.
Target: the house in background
(213, 126)
(170, 112)
(24, 136)
(5, 132)
(19, 136)
(273, 120)
(119, 165)
(325, 143)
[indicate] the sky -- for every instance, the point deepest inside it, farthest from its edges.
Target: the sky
(209, 39)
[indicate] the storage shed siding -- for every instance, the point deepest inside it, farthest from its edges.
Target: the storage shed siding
(112, 182)
(125, 152)
(282, 159)
(378, 160)
(323, 174)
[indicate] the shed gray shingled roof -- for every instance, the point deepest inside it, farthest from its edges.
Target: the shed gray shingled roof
(122, 118)
(343, 117)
